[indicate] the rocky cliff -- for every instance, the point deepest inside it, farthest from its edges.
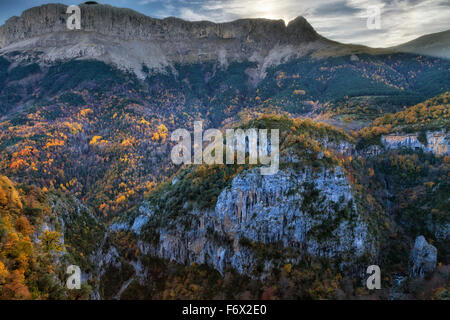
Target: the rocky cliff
(259, 224)
(302, 211)
(436, 142)
(289, 209)
(423, 258)
(130, 39)
(127, 24)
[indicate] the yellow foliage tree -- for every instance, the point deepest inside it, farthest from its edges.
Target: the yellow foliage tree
(51, 242)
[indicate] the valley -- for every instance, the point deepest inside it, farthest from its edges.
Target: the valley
(86, 118)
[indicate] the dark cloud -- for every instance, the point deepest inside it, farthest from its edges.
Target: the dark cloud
(336, 8)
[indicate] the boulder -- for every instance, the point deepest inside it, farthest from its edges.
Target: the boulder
(423, 258)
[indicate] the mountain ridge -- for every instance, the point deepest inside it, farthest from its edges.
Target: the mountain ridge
(130, 39)
(145, 27)
(433, 44)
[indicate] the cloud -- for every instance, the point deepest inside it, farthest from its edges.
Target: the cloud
(190, 15)
(336, 8)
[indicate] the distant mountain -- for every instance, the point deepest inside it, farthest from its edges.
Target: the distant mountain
(130, 39)
(435, 44)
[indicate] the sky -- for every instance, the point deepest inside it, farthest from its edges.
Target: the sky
(340, 20)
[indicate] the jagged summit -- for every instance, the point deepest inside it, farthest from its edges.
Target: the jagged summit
(300, 24)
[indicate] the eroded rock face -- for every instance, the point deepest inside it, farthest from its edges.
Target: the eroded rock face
(437, 142)
(130, 39)
(423, 258)
(289, 209)
(131, 25)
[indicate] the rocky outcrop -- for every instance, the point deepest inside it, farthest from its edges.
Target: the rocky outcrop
(423, 258)
(436, 142)
(308, 212)
(130, 39)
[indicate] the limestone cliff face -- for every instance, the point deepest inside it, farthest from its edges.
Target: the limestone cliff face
(304, 211)
(129, 39)
(130, 25)
(436, 142)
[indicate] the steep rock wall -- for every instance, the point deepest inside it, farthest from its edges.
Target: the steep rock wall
(130, 39)
(308, 212)
(437, 142)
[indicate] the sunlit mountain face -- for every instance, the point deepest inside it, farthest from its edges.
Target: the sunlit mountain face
(95, 106)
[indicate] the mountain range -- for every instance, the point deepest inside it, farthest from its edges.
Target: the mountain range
(85, 123)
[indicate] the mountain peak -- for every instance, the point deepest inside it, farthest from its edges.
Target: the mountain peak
(302, 28)
(130, 39)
